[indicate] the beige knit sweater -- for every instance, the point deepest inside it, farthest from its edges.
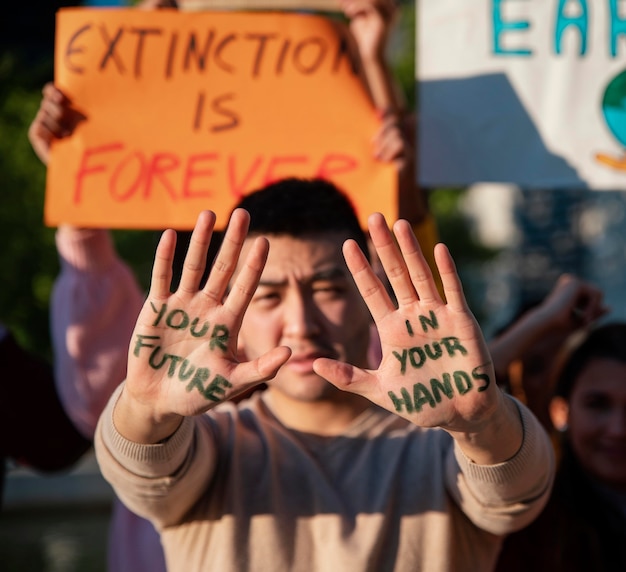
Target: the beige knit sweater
(384, 496)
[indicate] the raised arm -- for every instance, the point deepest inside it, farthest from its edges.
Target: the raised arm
(571, 305)
(370, 24)
(183, 352)
(436, 369)
(95, 298)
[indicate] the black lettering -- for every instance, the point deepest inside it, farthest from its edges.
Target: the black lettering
(476, 374)
(197, 382)
(219, 337)
(110, 53)
(172, 369)
(170, 54)
(183, 373)
(200, 58)
(152, 359)
(198, 333)
(233, 118)
(184, 320)
(219, 61)
(197, 120)
(421, 396)
(433, 352)
(139, 343)
(399, 402)
(409, 328)
(215, 390)
(281, 56)
(429, 322)
(71, 50)
(142, 33)
(344, 51)
(316, 61)
(462, 381)
(402, 360)
(262, 42)
(453, 344)
(159, 313)
(420, 353)
(438, 387)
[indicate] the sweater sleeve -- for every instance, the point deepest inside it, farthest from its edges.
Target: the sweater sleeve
(508, 496)
(94, 306)
(159, 482)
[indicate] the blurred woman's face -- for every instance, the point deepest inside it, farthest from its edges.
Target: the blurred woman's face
(597, 421)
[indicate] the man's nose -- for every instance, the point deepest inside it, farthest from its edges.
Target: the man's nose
(301, 316)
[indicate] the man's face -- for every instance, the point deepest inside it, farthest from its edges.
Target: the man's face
(597, 420)
(306, 300)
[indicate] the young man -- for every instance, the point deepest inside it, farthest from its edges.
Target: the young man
(418, 465)
(96, 296)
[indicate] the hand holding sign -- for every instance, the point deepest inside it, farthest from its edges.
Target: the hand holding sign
(188, 109)
(436, 369)
(183, 352)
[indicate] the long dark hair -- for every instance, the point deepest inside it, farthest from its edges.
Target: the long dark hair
(580, 530)
(603, 342)
(593, 531)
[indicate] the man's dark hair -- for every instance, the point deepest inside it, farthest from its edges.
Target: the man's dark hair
(292, 206)
(300, 207)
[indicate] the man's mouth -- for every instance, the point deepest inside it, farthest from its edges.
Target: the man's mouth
(302, 362)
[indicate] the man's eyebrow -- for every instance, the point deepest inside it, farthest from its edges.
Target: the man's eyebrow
(333, 273)
(272, 283)
(329, 274)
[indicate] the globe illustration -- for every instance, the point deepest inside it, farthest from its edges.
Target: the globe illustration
(614, 107)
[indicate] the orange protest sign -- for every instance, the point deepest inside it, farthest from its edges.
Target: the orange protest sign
(327, 5)
(187, 111)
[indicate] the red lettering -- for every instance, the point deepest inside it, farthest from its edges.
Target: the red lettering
(134, 174)
(336, 164)
(84, 169)
(275, 162)
(161, 164)
(119, 171)
(238, 189)
(191, 173)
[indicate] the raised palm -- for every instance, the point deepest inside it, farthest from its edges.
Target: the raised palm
(183, 352)
(436, 369)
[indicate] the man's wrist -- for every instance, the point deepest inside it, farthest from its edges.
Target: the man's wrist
(141, 423)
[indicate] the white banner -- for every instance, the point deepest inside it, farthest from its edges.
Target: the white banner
(528, 92)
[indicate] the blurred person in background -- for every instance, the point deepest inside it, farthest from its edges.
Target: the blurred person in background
(524, 351)
(583, 526)
(35, 431)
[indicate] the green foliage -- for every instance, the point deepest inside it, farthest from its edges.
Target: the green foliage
(454, 229)
(28, 259)
(402, 51)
